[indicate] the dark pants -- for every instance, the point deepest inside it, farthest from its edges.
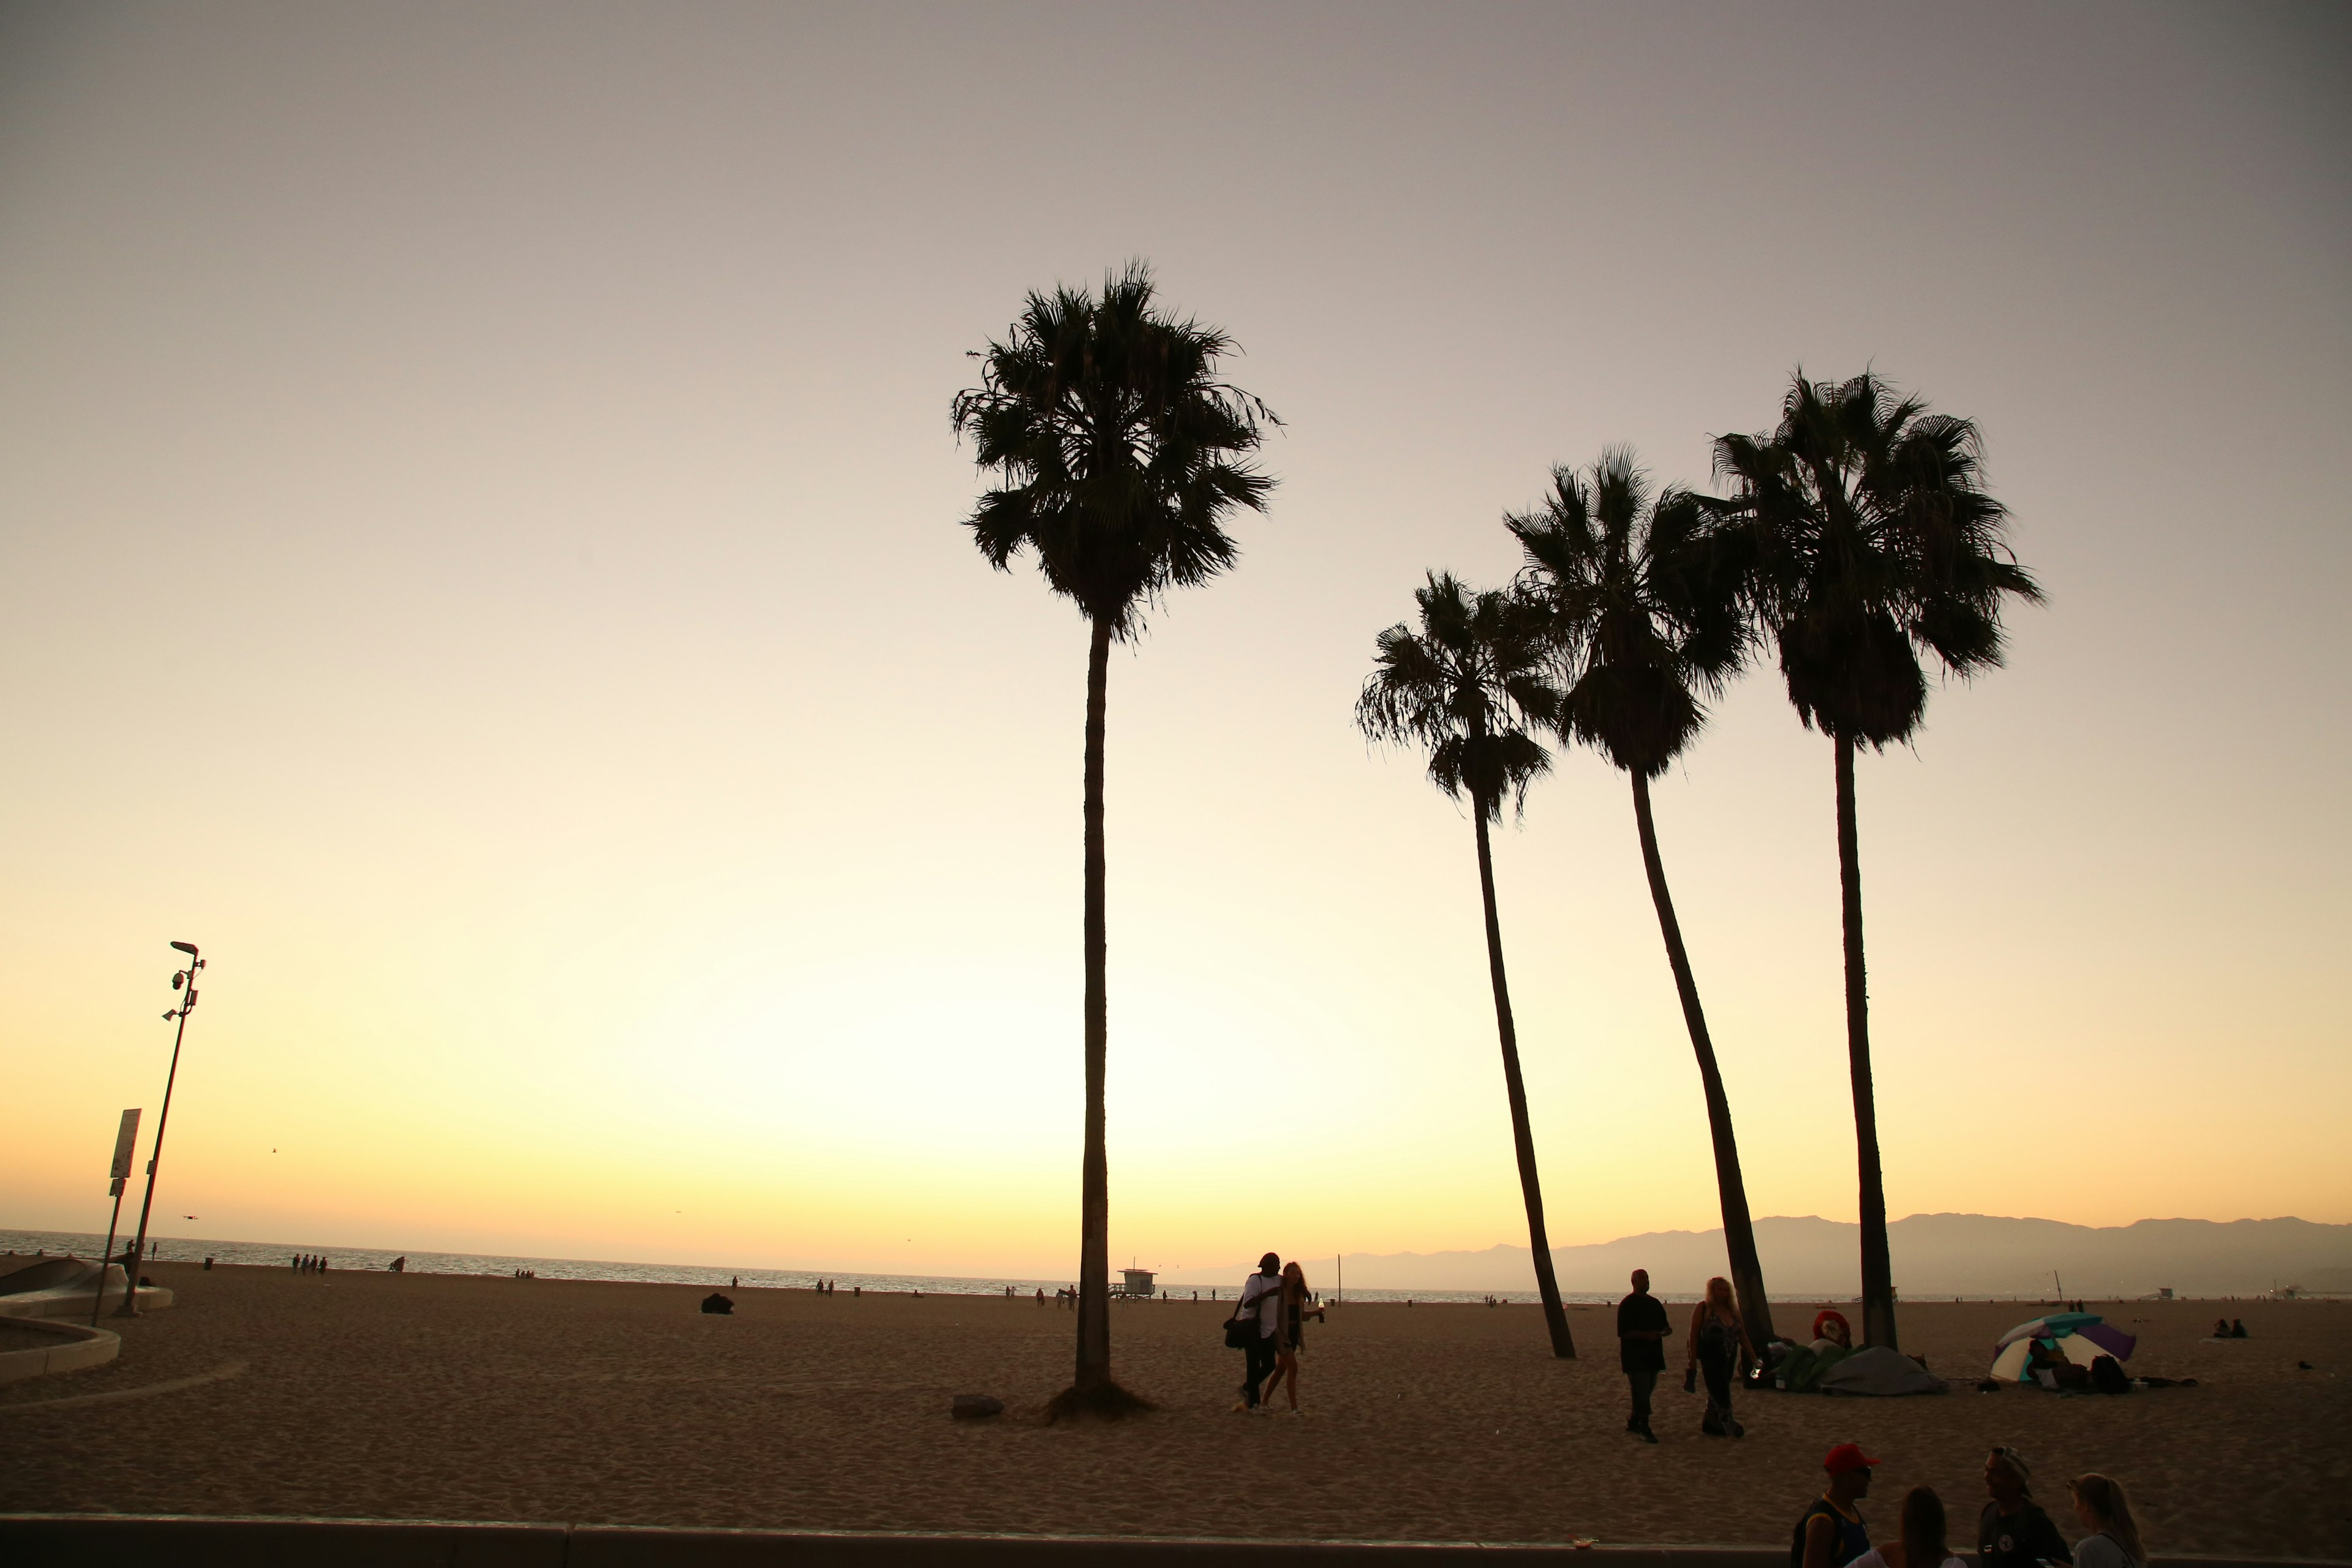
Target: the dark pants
(1643, 1381)
(1258, 1366)
(1716, 1369)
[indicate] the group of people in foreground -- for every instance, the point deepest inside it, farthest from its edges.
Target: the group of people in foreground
(2014, 1531)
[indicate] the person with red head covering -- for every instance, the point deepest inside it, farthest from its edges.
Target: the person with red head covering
(1831, 1534)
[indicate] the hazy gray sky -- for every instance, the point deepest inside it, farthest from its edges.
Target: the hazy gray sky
(481, 555)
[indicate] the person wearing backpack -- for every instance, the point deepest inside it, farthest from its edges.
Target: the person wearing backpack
(1253, 1328)
(1830, 1534)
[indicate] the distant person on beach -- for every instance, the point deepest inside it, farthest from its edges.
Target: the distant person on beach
(2105, 1512)
(1718, 1343)
(399, 1264)
(1261, 1300)
(2014, 1531)
(1642, 1330)
(2237, 1328)
(1830, 1534)
(1291, 1315)
(2220, 1328)
(1922, 1542)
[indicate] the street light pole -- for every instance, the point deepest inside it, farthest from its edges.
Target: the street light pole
(185, 977)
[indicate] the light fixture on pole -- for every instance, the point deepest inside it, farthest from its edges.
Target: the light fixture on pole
(180, 979)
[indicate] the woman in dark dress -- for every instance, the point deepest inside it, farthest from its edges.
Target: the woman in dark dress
(1719, 1341)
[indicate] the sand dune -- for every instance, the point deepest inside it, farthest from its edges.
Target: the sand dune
(492, 1398)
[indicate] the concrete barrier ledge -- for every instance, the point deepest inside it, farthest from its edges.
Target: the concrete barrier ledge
(77, 1345)
(168, 1540)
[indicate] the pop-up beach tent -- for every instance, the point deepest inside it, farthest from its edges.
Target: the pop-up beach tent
(2081, 1337)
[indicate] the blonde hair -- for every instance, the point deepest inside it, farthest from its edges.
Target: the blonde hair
(1718, 1293)
(2103, 1495)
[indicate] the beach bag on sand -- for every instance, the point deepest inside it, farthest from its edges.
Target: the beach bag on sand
(2108, 1376)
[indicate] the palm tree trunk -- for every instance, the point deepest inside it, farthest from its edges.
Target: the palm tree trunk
(1522, 1136)
(1738, 1230)
(1877, 1266)
(1094, 1196)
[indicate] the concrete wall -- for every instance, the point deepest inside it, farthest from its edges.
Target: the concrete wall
(88, 1541)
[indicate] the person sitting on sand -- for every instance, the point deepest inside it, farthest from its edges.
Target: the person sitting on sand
(1261, 1299)
(1922, 1544)
(2105, 1512)
(2014, 1531)
(2220, 1328)
(2237, 1328)
(1830, 1534)
(1832, 1332)
(1719, 1341)
(1642, 1330)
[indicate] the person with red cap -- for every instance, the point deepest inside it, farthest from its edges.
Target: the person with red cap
(1831, 1534)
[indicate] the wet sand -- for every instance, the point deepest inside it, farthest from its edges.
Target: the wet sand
(424, 1397)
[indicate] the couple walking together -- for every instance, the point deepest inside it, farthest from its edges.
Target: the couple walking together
(1267, 1327)
(1716, 1345)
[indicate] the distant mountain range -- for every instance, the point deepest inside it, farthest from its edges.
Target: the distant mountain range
(1934, 1254)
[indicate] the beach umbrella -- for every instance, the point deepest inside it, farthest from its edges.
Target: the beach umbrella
(2081, 1337)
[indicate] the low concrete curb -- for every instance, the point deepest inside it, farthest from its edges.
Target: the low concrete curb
(79, 1346)
(167, 1540)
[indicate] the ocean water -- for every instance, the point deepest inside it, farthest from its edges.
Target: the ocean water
(281, 1255)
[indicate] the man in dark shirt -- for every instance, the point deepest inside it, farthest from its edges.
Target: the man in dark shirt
(1642, 1330)
(2014, 1531)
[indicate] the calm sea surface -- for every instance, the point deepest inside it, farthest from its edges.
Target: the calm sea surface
(280, 1254)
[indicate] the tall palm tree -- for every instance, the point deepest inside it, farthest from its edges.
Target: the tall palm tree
(1119, 453)
(1873, 543)
(1464, 687)
(1643, 596)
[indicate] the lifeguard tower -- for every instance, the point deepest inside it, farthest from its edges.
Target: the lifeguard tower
(1138, 1282)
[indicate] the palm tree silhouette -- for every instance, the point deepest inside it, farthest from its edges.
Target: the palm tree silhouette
(1873, 541)
(1464, 687)
(1643, 603)
(1120, 454)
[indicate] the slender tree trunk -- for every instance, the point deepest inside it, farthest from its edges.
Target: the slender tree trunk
(1877, 1266)
(1094, 1196)
(1522, 1136)
(1738, 1231)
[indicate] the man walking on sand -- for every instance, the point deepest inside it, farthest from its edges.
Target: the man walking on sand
(1642, 1330)
(1261, 1300)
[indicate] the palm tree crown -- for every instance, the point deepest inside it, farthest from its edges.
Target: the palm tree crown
(1875, 540)
(1465, 686)
(1119, 448)
(1640, 595)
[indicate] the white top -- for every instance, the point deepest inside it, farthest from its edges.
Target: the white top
(1871, 1559)
(1265, 1291)
(2102, 1551)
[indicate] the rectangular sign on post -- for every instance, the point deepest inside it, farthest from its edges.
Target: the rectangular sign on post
(125, 1144)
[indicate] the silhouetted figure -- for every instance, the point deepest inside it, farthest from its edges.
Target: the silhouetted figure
(1259, 1315)
(208, 1265)
(2012, 1531)
(718, 1305)
(1642, 1330)
(1718, 1342)
(399, 1265)
(2237, 1328)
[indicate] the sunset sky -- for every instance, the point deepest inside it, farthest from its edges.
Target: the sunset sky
(480, 552)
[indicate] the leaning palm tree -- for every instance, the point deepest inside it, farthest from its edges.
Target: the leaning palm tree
(1874, 542)
(1120, 454)
(1642, 598)
(1465, 686)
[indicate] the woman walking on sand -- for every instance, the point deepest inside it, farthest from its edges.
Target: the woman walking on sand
(1719, 1340)
(1290, 1326)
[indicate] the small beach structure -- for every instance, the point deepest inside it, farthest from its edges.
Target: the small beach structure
(1138, 1282)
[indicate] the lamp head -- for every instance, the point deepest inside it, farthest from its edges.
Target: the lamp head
(187, 947)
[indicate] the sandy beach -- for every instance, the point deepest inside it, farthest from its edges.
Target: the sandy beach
(422, 1396)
